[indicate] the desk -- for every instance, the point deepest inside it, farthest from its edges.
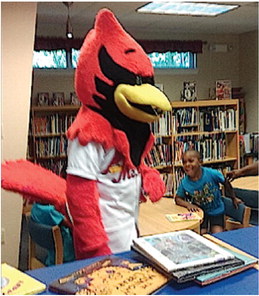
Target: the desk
(249, 183)
(244, 283)
(152, 218)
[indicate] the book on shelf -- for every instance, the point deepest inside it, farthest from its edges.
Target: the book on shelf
(111, 276)
(182, 217)
(223, 89)
(16, 282)
(179, 250)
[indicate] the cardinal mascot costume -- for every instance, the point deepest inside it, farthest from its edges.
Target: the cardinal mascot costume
(107, 144)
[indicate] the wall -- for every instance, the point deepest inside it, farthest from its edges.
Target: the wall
(18, 29)
(249, 77)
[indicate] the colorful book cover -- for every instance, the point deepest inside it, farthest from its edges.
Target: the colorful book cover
(111, 276)
(16, 282)
(223, 90)
(180, 249)
(181, 217)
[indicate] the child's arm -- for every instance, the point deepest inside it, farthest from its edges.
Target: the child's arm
(191, 207)
(229, 191)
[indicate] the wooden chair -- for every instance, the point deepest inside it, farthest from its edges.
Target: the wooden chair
(236, 218)
(46, 237)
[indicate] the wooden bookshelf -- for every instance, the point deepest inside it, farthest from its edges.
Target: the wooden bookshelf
(216, 137)
(47, 143)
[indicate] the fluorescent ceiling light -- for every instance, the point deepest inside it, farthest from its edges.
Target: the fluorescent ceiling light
(186, 8)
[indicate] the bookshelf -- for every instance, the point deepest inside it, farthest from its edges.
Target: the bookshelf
(47, 143)
(209, 126)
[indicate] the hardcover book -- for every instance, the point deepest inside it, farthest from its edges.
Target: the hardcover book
(111, 276)
(179, 250)
(182, 217)
(16, 282)
(209, 278)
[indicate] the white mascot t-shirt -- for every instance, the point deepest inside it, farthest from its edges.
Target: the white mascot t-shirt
(119, 198)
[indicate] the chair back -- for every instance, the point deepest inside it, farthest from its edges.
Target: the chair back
(239, 218)
(48, 238)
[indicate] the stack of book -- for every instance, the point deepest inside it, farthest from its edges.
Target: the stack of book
(188, 256)
(181, 256)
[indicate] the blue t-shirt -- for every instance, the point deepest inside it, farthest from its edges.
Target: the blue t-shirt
(204, 192)
(48, 215)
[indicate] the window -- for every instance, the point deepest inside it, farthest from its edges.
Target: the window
(61, 59)
(167, 60)
(173, 60)
(50, 59)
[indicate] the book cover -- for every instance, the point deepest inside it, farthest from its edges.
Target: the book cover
(181, 217)
(111, 276)
(223, 90)
(16, 282)
(180, 249)
(215, 276)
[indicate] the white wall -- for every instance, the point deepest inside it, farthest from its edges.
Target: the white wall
(249, 77)
(18, 29)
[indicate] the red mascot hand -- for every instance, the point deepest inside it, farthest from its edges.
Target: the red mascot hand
(152, 185)
(89, 236)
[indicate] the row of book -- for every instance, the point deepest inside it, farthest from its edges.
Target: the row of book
(52, 124)
(159, 155)
(250, 142)
(207, 120)
(51, 147)
(162, 127)
(216, 119)
(169, 183)
(211, 147)
(57, 166)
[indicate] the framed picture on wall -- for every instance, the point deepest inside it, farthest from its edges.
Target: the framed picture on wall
(43, 99)
(74, 99)
(58, 99)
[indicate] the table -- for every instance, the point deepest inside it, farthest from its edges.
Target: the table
(249, 183)
(152, 218)
(244, 283)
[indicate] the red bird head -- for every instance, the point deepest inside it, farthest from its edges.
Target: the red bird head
(114, 76)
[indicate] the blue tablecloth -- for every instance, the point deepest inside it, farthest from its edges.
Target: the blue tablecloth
(244, 283)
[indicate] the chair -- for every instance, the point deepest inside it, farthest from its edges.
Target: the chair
(46, 237)
(236, 218)
(250, 198)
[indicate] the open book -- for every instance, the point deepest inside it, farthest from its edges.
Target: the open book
(16, 282)
(180, 250)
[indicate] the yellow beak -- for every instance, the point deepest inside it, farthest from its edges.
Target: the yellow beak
(145, 94)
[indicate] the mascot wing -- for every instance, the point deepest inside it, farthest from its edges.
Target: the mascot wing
(34, 182)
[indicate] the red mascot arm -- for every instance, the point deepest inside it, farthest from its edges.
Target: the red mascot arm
(152, 185)
(90, 239)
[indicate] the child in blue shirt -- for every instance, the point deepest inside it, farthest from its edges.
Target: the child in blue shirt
(200, 188)
(48, 215)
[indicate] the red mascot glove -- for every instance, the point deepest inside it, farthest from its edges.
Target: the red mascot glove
(152, 184)
(89, 236)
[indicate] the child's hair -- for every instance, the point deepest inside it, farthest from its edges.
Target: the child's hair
(195, 152)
